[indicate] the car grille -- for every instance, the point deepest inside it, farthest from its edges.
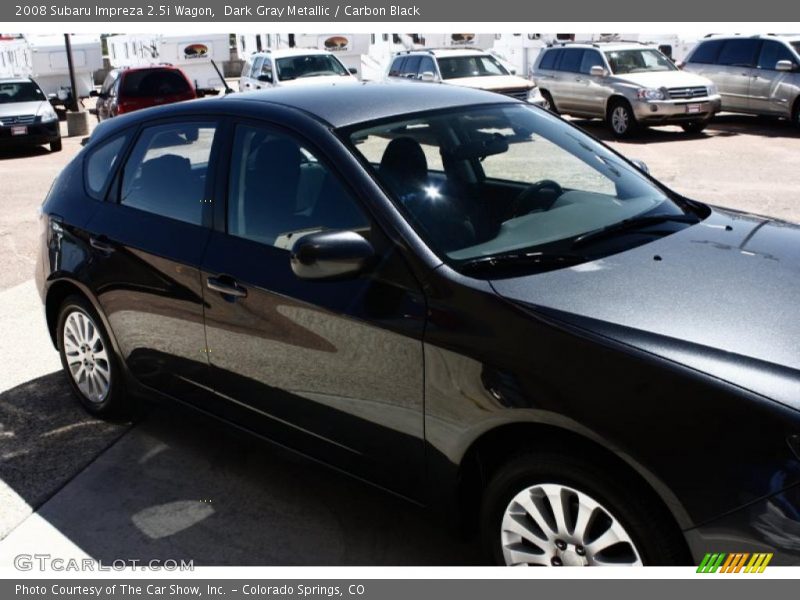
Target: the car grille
(518, 93)
(688, 92)
(18, 120)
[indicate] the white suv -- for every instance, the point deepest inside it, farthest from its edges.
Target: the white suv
(468, 68)
(293, 66)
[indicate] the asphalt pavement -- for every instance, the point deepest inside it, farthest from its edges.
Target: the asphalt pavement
(174, 486)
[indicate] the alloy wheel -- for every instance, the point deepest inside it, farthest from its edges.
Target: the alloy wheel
(554, 525)
(620, 119)
(86, 356)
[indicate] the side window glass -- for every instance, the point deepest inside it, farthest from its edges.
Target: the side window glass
(257, 66)
(591, 59)
(100, 165)
(411, 66)
(571, 60)
(739, 53)
(166, 171)
(426, 65)
(771, 53)
(397, 67)
(266, 71)
(548, 60)
(278, 191)
(707, 52)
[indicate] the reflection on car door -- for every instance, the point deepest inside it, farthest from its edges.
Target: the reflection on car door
(147, 242)
(329, 368)
(770, 90)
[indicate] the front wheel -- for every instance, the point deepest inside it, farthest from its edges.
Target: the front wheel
(558, 510)
(56, 145)
(547, 102)
(89, 360)
(621, 119)
(694, 126)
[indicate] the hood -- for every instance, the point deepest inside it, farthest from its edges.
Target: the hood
(726, 291)
(11, 109)
(667, 79)
(321, 80)
(492, 82)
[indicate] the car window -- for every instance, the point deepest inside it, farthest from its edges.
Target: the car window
(411, 66)
(426, 65)
(108, 82)
(278, 191)
(397, 67)
(796, 46)
(311, 65)
(480, 65)
(20, 91)
(739, 53)
(640, 60)
(707, 52)
(154, 82)
(771, 53)
(257, 63)
(571, 60)
(265, 74)
(548, 60)
(166, 171)
(100, 165)
(591, 58)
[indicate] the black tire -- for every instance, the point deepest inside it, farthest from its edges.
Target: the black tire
(694, 126)
(621, 120)
(549, 104)
(56, 146)
(796, 113)
(656, 538)
(115, 404)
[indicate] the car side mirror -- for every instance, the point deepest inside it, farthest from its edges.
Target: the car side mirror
(513, 71)
(784, 65)
(428, 76)
(641, 165)
(352, 71)
(265, 78)
(331, 255)
(597, 71)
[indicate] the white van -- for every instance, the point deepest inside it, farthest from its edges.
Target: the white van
(293, 66)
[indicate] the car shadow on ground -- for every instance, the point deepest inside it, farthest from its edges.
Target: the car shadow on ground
(23, 152)
(724, 125)
(180, 486)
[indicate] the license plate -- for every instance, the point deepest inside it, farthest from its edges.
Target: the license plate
(694, 108)
(19, 130)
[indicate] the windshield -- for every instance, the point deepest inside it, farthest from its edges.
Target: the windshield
(20, 91)
(455, 67)
(638, 61)
(480, 182)
(314, 65)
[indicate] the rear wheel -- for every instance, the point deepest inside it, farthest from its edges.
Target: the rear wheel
(89, 360)
(548, 102)
(560, 510)
(694, 126)
(621, 119)
(796, 113)
(56, 146)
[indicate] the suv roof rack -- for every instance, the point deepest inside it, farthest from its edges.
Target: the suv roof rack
(432, 49)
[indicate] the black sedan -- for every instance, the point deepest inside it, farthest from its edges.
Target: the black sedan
(454, 295)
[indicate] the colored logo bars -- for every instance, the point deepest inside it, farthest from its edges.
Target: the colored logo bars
(735, 563)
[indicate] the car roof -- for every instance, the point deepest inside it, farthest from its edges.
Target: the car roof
(605, 46)
(283, 52)
(15, 79)
(441, 52)
(786, 37)
(153, 67)
(341, 106)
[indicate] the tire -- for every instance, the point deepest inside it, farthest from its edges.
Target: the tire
(56, 146)
(621, 119)
(618, 503)
(796, 113)
(694, 126)
(548, 102)
(89, 361)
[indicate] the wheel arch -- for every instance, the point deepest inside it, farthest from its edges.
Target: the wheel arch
(613, 99)
(496, 446)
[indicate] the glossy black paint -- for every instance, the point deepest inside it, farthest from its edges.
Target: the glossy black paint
(418, 378)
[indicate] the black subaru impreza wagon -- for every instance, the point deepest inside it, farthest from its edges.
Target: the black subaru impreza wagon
(454, 295)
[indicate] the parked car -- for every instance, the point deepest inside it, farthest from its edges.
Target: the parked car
(128, 89)
(757, 75)
(454, 295)
(463, 67)
(26, 116)
(293, 66)
(627, 84)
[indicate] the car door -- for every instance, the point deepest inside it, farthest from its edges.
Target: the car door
(147, 241)
(771, 91)
(736, 67)
(330, 368)
(568, 85)
(591, 91)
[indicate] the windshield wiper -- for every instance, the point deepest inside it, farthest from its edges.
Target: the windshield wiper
(521, 259)
(632, 223)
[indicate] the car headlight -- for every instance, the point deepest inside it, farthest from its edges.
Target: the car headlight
(46, 112)
(712, 90)
(650, 94)
(534, 95)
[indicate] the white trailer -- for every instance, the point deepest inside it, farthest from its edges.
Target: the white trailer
(15, 57)
(50, 69)
(192, 53)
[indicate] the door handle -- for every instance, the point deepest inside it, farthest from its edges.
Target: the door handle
(228, 287)
(101, 244)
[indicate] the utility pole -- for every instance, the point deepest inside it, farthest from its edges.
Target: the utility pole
(71, 66)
